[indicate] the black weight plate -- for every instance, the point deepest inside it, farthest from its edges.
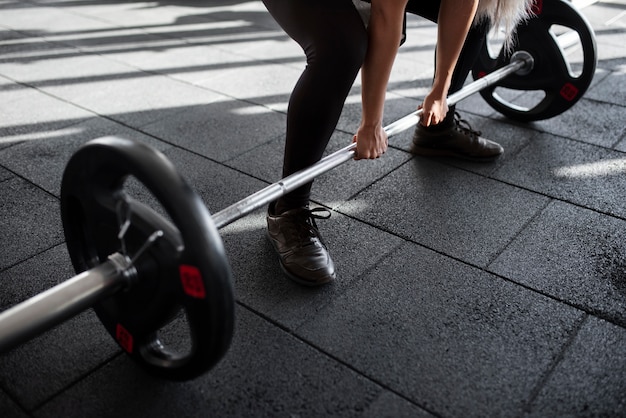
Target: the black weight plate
(551, 72)
(186, 269)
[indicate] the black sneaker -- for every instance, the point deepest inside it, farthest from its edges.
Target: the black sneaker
(459, 141)
(301, 251)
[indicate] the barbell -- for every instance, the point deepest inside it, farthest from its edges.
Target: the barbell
(139, 268)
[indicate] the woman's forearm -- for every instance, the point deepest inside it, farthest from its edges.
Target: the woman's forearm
(385, 31)
(455, 19)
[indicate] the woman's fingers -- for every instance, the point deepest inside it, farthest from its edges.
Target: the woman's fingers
(370, 150)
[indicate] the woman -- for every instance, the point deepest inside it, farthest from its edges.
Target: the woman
(337, 45)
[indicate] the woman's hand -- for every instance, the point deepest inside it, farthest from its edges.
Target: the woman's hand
(435, 108)
(371, 142)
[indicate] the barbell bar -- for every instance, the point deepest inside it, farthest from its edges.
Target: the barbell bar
(40, 313)
(520, 62)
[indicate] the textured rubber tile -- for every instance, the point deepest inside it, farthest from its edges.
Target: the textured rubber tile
(452, 211)
(27, 113)
(144, 15)
(569, 170)
(47, 364)
(35, 276)
(266, 373)
(116, 96)
(4, 174)
(267, 44)
(60, 66)
(39, 369)
(454, 339)
(590, 380)
(258, 84)
(181, 61)
(220, 130)
(236, 11)
(17, 47)
(621, 146)
(43, 158)
(603, 126)
(260, 284)
(217, 185)
(389, 405)
(46, 19)
(30, 221)
(573, 254)
(611, 89)
(10, 409)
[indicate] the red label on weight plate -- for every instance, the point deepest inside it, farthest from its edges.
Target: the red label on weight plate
(192, 282)
(569, 91)
(124, 338)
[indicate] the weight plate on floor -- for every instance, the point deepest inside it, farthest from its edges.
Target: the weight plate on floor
(555, 84)
(183, 273)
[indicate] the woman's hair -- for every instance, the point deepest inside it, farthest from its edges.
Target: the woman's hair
(505, 15)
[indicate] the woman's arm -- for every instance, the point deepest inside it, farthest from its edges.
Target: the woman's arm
(385, 31)
(455, 19)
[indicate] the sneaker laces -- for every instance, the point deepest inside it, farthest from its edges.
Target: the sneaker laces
(305, 224)
(464, 127)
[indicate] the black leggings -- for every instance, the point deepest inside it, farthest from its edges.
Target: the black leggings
(334, 39)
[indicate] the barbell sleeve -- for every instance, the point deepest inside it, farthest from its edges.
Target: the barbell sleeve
(288, 184)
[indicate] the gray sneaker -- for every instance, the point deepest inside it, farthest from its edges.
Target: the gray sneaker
(301, 251)
(459, 141)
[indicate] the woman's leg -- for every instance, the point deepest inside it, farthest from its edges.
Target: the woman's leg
(334, 39)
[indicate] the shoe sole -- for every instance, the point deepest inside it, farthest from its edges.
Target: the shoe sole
(297, 279)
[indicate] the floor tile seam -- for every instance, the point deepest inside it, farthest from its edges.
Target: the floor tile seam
(11, 176)
(588, 310)
(379, 179)
(356, 281)
(543, 380)
(15, 400)
(619, 140)
(165, 37)
(34, 255)
(495, 116)
(229, 160)
(121, 123)
(538, 213)
(42, 404)
(83, 51)
(223, 95)
(18, 176)
(540, 193)
(604, 102)
(33, 35)
(222, 163)
(183, 42)
(285, 62)
(68, 102)
(567, 201)
(312, 345)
